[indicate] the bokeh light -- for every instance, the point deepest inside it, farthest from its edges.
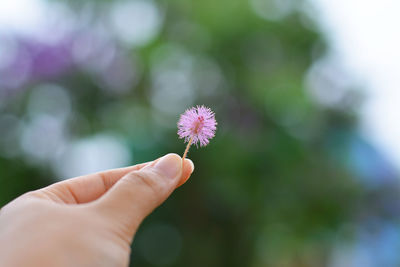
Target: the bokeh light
(303, 170)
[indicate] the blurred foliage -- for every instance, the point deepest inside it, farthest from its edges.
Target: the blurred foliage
(269, 190)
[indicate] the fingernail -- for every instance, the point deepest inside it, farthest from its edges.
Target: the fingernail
(170, 166)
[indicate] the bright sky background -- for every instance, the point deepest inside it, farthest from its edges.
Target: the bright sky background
(364, 36)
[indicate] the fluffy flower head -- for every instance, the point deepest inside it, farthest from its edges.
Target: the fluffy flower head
(198, 123)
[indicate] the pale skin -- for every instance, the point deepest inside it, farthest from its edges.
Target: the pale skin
(89, 220)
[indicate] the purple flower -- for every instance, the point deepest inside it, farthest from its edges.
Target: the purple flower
(197, 125)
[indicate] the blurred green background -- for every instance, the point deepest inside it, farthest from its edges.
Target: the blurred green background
(287, 181)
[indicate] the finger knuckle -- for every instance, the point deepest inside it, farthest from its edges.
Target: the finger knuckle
(148, 180)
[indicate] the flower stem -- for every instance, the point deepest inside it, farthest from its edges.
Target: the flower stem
(187, 148)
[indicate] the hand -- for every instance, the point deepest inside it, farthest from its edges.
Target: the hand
(88, 220)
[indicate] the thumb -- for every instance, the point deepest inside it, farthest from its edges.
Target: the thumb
(139, 192)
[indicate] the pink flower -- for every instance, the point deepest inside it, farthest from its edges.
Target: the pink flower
(197, 125)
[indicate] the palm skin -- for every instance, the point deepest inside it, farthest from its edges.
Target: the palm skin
(89, 220)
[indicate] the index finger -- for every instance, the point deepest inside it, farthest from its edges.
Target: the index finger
(87, 188)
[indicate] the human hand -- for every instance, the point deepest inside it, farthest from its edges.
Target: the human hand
(89, 220)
